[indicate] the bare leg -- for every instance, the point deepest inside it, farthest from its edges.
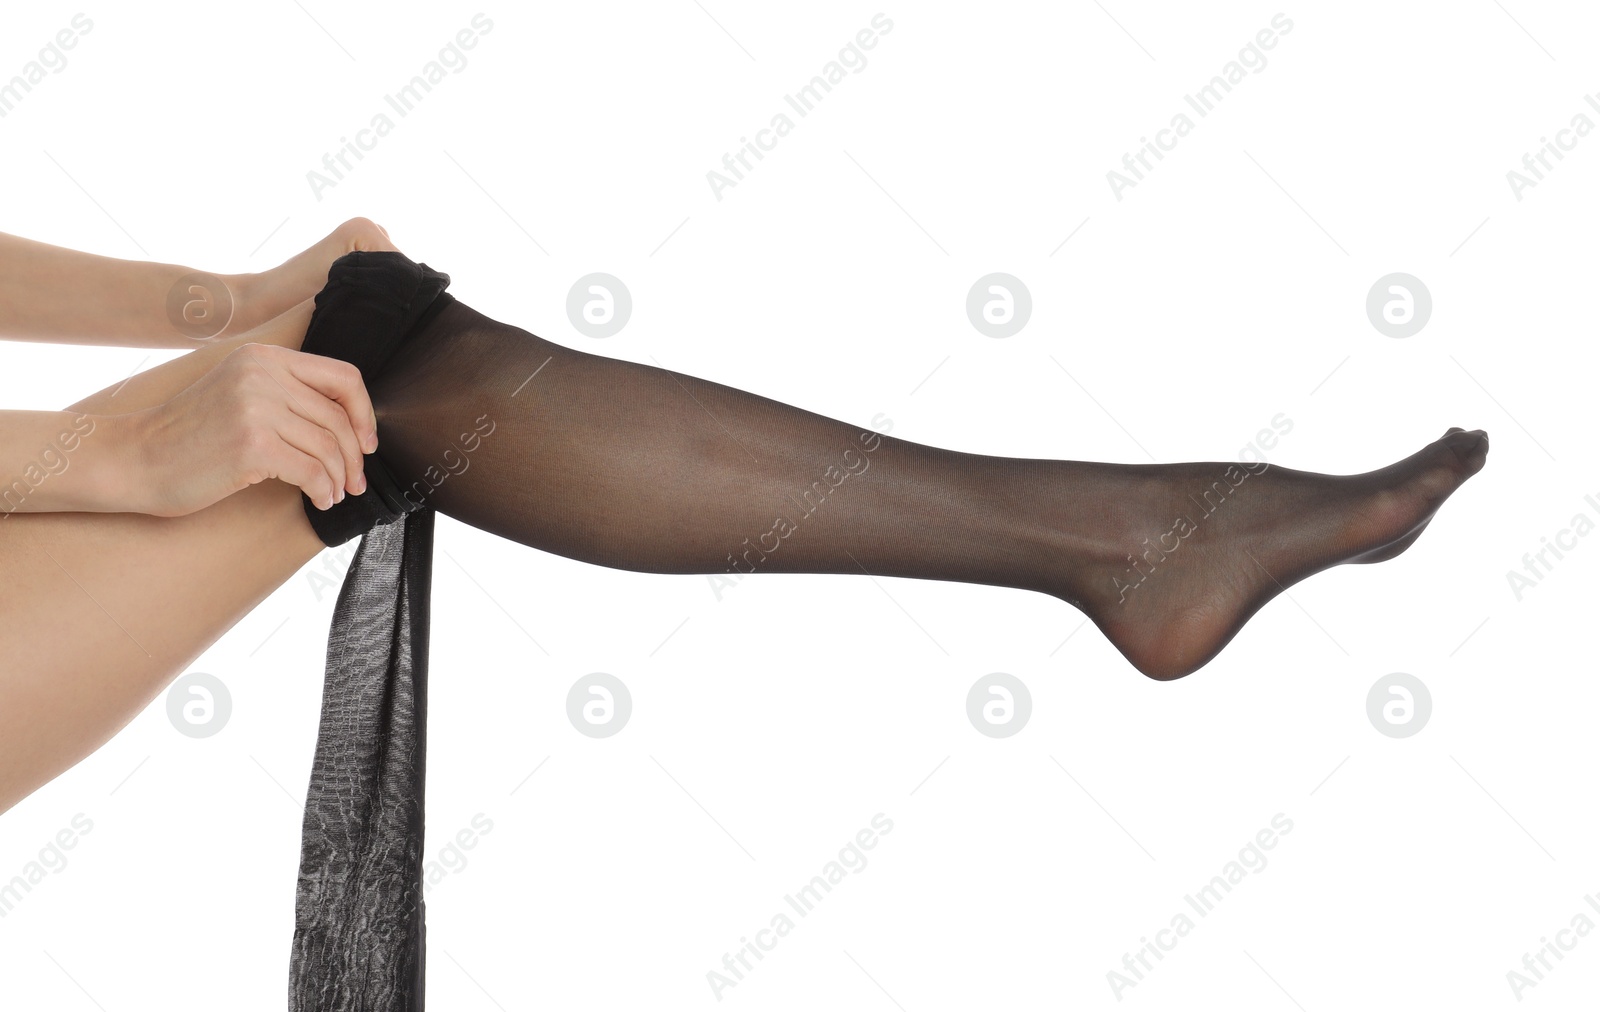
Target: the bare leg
(99, 611)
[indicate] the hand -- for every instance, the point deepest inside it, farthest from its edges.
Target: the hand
(262, 412)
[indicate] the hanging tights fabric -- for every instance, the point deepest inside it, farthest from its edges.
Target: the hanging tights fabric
(359, 931)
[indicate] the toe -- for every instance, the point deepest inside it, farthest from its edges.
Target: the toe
(1469, 448)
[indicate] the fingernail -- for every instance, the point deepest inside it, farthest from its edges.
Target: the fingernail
(361, 483)
(340, 497)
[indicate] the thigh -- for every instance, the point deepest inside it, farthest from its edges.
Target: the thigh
(99, 611)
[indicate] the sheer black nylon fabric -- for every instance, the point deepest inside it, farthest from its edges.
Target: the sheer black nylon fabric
(359, 918)
(359, 928)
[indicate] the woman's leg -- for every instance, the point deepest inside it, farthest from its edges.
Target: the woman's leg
(99, 611)
(629, 466)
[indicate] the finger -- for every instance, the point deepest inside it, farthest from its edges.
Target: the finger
(319, 410)
(341, 382)
(314, 440)
(304, 472)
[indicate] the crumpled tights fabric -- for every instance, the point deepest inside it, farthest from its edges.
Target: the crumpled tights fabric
(358, 938)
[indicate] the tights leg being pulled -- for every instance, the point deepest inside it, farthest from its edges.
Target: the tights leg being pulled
(635, 467)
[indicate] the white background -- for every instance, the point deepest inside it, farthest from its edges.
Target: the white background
(770, 726)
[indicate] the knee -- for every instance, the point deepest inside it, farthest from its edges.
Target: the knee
(364, 234)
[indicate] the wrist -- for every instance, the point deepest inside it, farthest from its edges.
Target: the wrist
(110, 462)
(262, 297)
(245, 292)
(66, 462)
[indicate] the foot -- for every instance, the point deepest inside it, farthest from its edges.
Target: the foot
(1191, 551)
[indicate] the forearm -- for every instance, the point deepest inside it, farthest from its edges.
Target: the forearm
(48, 293)
(66, 461)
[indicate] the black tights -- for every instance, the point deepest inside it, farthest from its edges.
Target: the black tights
(633, 467)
